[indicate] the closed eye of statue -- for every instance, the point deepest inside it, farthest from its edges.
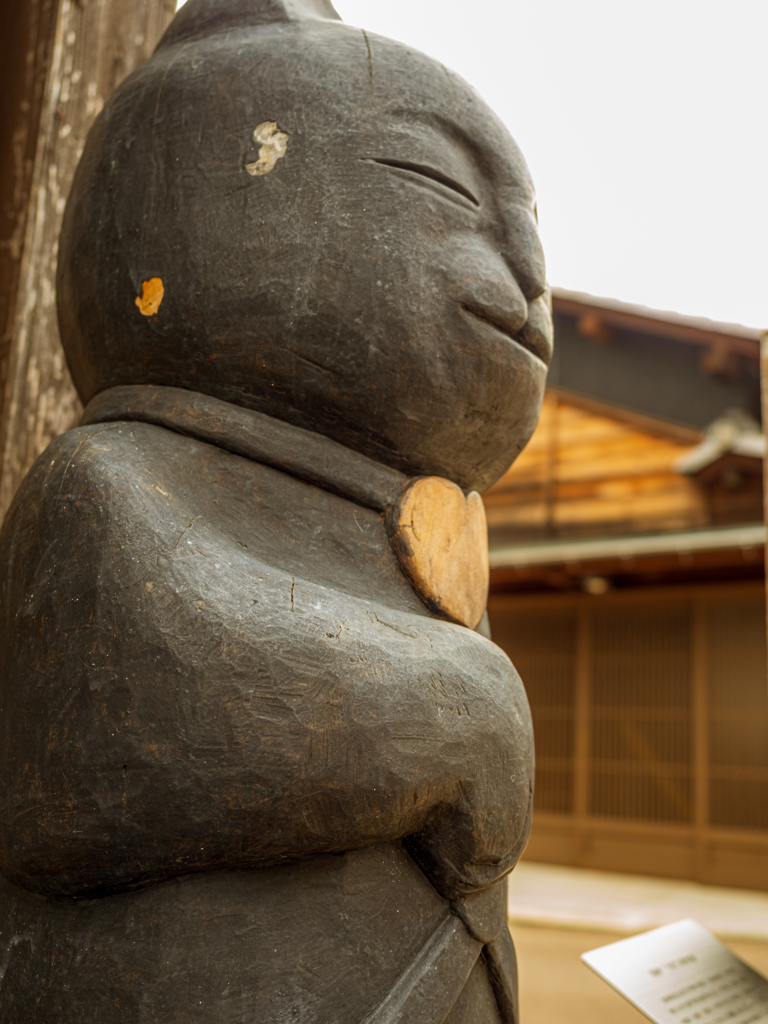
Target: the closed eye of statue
(431, 174)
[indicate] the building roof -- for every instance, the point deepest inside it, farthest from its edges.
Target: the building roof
(647, 461)
(696, 330)
(683, 371)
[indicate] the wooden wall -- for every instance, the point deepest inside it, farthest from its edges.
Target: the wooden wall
(589, 472)
(59, 62)
(26, 43)
(650, 715)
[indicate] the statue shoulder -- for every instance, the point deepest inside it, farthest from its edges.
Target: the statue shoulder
(96, 503)
(84, 471)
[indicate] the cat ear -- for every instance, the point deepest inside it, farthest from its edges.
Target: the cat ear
(200, 18)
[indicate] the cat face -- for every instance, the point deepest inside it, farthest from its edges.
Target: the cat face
(344, 237)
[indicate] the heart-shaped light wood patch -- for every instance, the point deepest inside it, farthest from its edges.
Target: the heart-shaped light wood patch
(441, 539)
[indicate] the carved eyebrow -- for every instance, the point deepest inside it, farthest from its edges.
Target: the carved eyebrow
(431, 173)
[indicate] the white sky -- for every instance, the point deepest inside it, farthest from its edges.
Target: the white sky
(645, 125)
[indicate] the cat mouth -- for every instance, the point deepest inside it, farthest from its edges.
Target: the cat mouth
(533, 340)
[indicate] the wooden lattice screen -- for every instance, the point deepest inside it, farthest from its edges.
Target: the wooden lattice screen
(544, 646)
(737, 714)
(648, 709)
(641, 757)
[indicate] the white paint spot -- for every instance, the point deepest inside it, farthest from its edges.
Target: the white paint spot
(273, 146)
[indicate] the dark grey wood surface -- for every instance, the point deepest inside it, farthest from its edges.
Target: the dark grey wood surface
(245, 772)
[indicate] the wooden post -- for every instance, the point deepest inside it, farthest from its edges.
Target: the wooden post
(764, 380)
(77, 52)
(583, 729)
(700, 735)
(25, 53)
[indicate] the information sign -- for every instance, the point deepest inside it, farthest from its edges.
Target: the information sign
(681, 974)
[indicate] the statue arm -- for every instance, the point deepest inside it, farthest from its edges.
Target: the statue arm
(187, 706)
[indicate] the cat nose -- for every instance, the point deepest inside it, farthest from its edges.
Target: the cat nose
(537, 334)
(522, 251)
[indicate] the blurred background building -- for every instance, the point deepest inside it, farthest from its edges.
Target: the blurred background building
(627, 554)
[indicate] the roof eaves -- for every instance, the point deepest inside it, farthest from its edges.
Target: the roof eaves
(643, 320)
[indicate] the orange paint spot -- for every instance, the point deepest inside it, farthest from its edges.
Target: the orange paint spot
(151, 297)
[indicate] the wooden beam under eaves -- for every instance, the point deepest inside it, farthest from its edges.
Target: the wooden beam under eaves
(611, 315)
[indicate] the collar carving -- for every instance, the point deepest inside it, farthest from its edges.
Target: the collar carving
(438, 533)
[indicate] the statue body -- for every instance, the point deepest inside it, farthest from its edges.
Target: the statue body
(248, 770)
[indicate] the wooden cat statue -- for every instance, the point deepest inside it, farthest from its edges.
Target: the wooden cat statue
(258, 760)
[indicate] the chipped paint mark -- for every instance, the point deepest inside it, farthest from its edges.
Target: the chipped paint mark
(370, 58)
(273, 145)
(152, 293)
(72, 458)
(188, 527)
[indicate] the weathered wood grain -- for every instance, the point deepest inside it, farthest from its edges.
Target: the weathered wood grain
(586, 472)
(93, 45)
(764, 395)
(25, 52)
